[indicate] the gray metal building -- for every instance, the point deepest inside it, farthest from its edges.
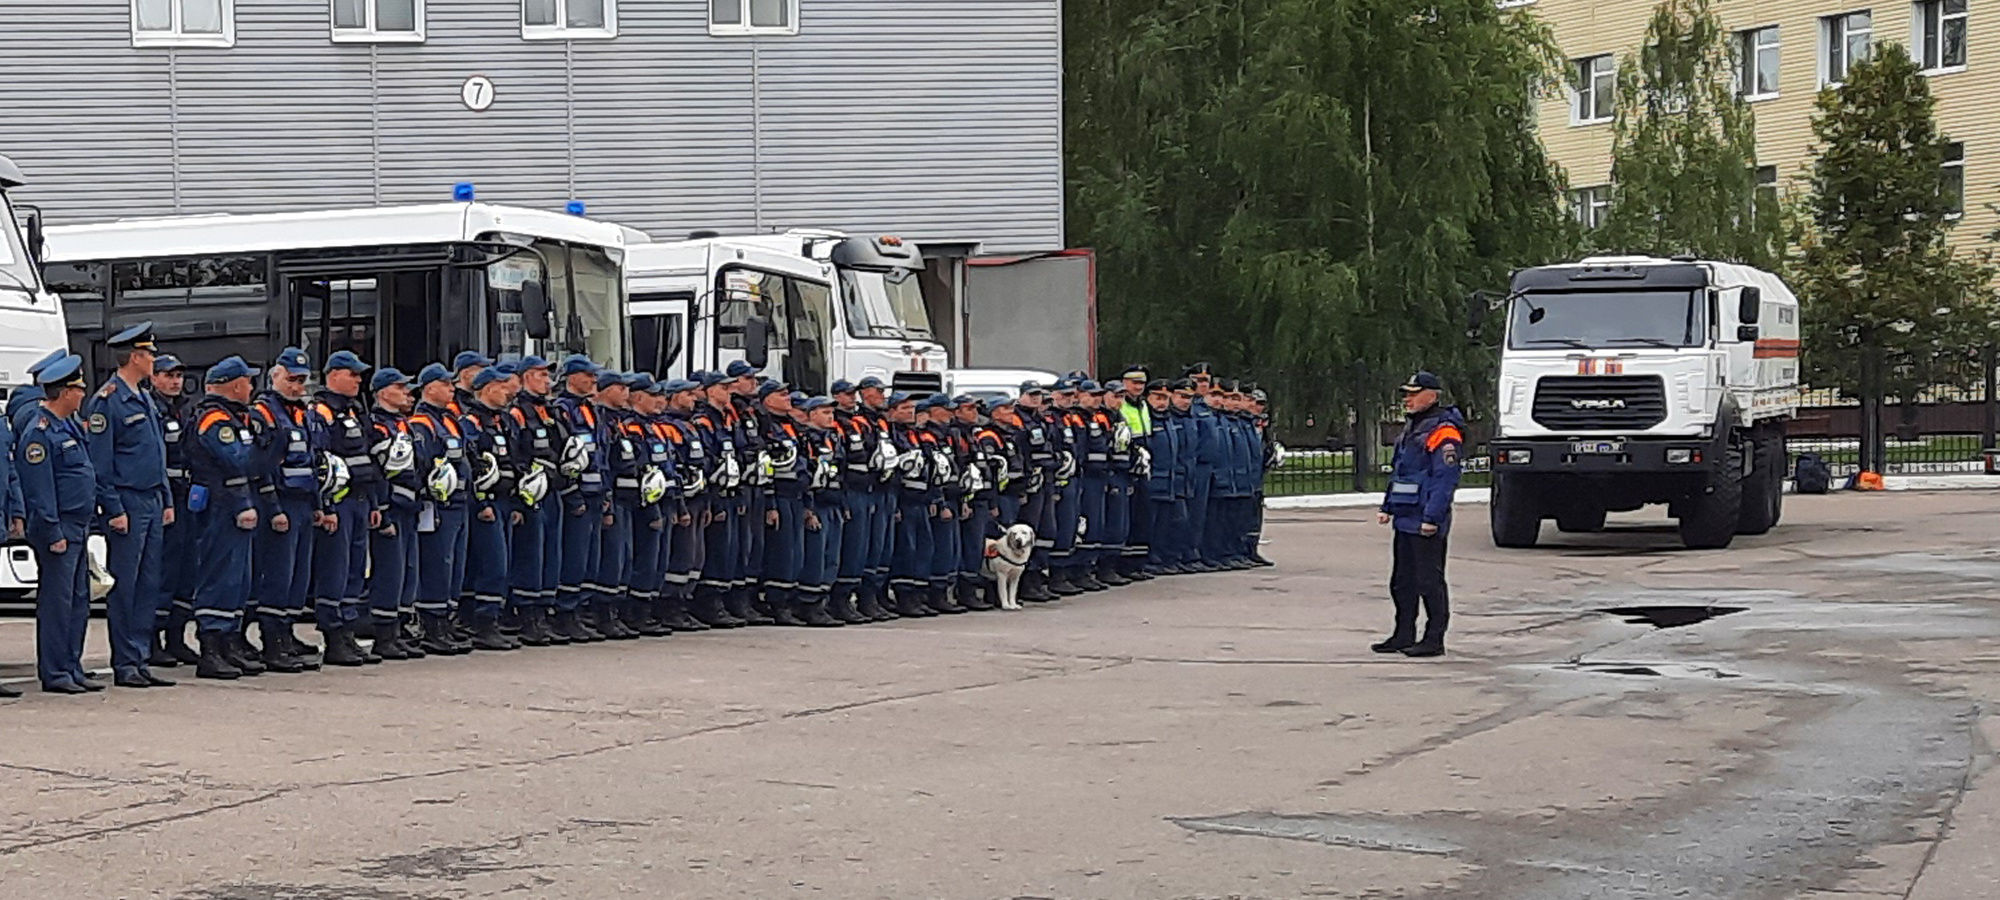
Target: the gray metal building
(936, 119)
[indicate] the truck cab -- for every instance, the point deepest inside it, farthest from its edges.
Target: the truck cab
(1626, 381)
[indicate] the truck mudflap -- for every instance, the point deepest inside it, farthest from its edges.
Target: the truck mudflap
(1609, 456)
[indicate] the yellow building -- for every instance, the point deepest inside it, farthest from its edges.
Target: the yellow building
(1789, 50)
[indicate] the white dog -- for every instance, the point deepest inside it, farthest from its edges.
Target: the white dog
(1006, 559)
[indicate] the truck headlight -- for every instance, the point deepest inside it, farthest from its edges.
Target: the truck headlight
(1520, 457)
(1680, 455)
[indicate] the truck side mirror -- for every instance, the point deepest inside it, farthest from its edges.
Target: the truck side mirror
(1749, 306)
(757, 341)
(37, 241)
(535, 309)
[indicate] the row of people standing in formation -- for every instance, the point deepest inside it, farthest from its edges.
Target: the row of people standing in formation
(491, 505)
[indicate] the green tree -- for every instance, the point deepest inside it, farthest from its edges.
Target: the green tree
(1685, 153)
(1304, 191)
(1888, 302)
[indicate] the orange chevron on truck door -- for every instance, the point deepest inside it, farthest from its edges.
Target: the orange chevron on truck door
(1777, 348)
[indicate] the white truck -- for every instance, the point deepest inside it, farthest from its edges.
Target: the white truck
(829, 306)
(1632, 380)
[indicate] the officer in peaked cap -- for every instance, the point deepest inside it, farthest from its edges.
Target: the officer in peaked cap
(128, 451)
(1418, 504)
(59, 498)
(21, 400)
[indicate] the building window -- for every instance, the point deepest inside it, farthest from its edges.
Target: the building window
(183, 23)
(1941, 34)
(1951, 181)
(1757, 77)
(753, 17)
(562, 20)
(1596, 90)
(1765, 197)
(378, 21)
(1590, 205)
(1847, 39)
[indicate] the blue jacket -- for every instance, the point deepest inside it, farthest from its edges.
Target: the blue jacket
(222, 456)
(11, 507)
(128, 445)
(438, 438)
(58, 485)
(1425, 475)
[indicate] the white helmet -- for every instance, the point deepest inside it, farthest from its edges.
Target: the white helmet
(1142, 462)
(824, 474)
(731, 473)
(652, 485)
(694, 483)
(534, 486)
(443, 481)
(1082, 526)
(974, 478)
(941, 466)
(1066, 468)
(399, 454)
(1121, 436)
(334, 478)
(885, 459)
(487, 473)
(575, 456)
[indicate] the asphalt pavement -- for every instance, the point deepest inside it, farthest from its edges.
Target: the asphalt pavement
(1803, 716)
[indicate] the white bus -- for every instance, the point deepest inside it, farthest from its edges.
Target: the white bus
(830, 306)
(398, 285)
(31, 320)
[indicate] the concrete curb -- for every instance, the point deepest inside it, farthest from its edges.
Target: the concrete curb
(1981, 482)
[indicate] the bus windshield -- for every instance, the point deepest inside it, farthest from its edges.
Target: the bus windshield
(586, 290)
(885, 305)
(17, 271)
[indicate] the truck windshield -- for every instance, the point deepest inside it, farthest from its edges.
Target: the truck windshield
(17, 272)
(1590, 320)
(586, 293)
(884, 305)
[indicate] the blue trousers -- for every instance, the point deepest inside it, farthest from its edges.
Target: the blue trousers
(1169, 523)
(133, 559)
(1091, 503)
(855, 537)
(972, 535)
(650, 537)
(821, 563)
(1139, 534)
(62, 613)
(944, 545)
(282, 564)
(911, 566)
(1044, 507)
(784, 549)
(724, 554)
(1117, 519)
(441, 562)
(881, 536)
(687, 550)
(175, 601)
(1218, 530)
(1068, 513)
(614, 560)
(486, 568)
(752, 538)
(223, 585)
(1197, 520)
(339, 562)
(537, 562)
(581, 536)
(392, 569)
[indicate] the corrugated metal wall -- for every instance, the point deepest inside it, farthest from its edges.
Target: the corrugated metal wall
(940, 119)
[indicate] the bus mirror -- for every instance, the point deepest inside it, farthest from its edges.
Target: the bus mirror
(37, 242)
(1749, 306)
(757, 341)
(535, 309)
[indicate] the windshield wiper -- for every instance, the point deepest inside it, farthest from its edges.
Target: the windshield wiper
(1648, 341)
(1567, 342)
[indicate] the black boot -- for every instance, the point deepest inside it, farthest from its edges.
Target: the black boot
(176, 644)
(1034, 588)
(1107, 572)
(708, 609)
(815, 614)
(568, 630)
(487, 636)
(437, 637)
(409, 636)
(236, 648)
(787, 614)
(907, 603)
(277, 655)
(1059, 584)
(1085, 579)
(343, 650)
(387, 644)
(211, 663)
(737, 602)
(639, 617)
(510, 620)
(586, 623)
(841, 606)
(678, 618)
(973, 595)
(160, 658)
(611, 621)
(866, 603)
(535, 627)
(938, 600)
(353, 639)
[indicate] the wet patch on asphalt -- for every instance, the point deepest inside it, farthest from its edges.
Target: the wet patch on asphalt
(1670, 616)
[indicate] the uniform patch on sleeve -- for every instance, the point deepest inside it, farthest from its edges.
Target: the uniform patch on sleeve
(35, 453)
(97, 423)
(1451, 454)
(226, 434)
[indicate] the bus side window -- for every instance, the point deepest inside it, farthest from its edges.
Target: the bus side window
(656, 343)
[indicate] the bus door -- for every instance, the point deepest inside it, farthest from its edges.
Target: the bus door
(661, 330)
(388, 314)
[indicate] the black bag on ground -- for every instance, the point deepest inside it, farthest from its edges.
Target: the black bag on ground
(1812, 475)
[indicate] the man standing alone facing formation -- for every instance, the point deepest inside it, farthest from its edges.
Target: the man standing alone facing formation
(1418, 503)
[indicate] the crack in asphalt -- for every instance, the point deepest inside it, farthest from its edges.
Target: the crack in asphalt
(1972, 752)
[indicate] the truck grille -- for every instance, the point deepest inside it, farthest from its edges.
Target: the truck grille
(918, 383)
(1601, 402)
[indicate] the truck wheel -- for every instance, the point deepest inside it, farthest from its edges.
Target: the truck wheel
(1764, 489)
(1580, 517)
(1516, 512)
(1709, 519)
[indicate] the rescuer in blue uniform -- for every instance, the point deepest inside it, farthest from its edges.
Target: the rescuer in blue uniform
(686, 547)
(753, 526)
(1267, 456)
(59, 500)
(128, 450)
(441, 532)
(1205, 452)
(934, 415)
(917, 498)
(859, 484)
(882, 519)
(537, 565)
(288, 510)
(1039, 448)
(1067, 424)
(610, 590)
(584, 502)
(1167, 478)
(493, 514)
(173, 607)
(393, 564)
(1227, 524)
(221, 461)
(1117, 490)
(985, 464)
(659, 506)
(789, 477)
(826, 518)
(340, 553)
(1421, 485)
(715, 428)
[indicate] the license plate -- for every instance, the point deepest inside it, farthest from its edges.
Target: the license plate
(1597, 448)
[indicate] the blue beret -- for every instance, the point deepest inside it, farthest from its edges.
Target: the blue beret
(432, 372)
(577, 364)
(486, 376)
(55, 356)
(869, 382)
(345, 359)
(65, 372)
(387, 375)
(137, 337)
(229, 369)
(811, 403)
(469, 358)
(166, 362)
(531, 362)
(739, 368)
(843, 386)
(295, 361)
